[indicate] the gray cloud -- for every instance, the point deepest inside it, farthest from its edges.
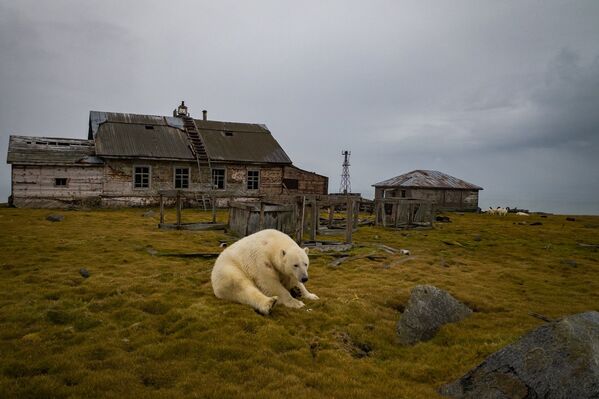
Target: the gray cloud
(499, 93)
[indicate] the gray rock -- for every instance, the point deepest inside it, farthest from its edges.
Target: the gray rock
(557, 360)
(55, 218)
(428, 309)
(148, 214)
(84, 272)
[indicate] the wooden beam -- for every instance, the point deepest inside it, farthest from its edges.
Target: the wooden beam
(212, 200)
(161, 209)
(349, 221)
(261, 224)
(178, 200)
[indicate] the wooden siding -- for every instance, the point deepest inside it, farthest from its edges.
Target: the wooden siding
(444, 199)
(34, 186)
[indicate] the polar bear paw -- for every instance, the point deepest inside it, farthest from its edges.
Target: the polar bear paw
(311, 296)
(267, 307)
(296, 304)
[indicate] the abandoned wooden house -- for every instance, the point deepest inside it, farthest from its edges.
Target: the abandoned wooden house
(127, 159)
(448, 193)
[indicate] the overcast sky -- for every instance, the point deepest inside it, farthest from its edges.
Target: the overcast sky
(503, 94)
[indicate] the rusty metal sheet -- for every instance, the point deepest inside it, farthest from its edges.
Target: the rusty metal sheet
(427, 179)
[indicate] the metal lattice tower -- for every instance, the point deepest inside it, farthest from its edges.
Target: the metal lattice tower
(345, 183)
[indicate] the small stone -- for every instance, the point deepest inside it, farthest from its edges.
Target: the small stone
(84, 273)
(536, 224)
(55, 218)
(148, 214)
(570, 219)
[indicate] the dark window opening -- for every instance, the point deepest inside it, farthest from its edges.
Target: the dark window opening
(141, 177)
(253, 179)
(229, 134)
(60, 181)
(291, 184)
(218, 179)
(181, 177)
(403, 193)
(149, 127)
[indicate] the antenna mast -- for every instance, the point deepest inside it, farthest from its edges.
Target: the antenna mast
(345, 183)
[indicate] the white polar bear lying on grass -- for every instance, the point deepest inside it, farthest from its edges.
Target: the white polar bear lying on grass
(260, 269)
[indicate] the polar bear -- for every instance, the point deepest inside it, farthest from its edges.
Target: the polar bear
(260, 269)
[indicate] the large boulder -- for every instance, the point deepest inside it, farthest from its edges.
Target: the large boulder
(557, 360)
(428, 309)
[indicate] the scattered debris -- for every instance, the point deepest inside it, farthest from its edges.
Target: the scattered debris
(452, 243)
(540, 317)
(571, 219)
(556, 360)
(404, 252)
(55, 218)
(148, 214)
(536, 223)
(84, 272)
(443, 219)
(428, 309)
(370, 256)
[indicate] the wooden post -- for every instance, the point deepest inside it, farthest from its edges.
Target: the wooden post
(161, 208)
(314, 224)
(178, 200)
(356, 212)
(331, 215)
(384, 212)
(377, 212)
(261, 224)
(213, 209)
(301, 240)
(394, 213)
(397, 209)
(349, 219)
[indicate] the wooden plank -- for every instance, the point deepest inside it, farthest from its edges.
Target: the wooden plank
(161, 209)
(212, 200)
(349, 221)
(261, 220)
(178, 210)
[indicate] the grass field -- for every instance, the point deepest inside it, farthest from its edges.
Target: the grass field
(148, 326)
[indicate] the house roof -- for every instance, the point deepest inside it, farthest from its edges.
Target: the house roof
(51, 151)
(245, 142)
(427, 179)
(164, 137)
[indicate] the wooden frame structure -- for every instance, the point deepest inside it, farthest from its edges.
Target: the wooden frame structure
(200, 196)
(405, 213)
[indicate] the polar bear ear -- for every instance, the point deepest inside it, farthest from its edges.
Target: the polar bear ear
(283, 253)
(306, 250)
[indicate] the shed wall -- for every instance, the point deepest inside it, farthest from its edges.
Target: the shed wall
(445, 199)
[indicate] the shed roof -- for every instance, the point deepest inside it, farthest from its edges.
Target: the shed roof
(427, 179)
(51, 151)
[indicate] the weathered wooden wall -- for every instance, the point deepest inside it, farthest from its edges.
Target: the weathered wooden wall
(34, 186)
(246, 219)
(445, 199)
(308, 182)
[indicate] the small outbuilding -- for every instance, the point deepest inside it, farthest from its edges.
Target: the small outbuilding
(447, 192)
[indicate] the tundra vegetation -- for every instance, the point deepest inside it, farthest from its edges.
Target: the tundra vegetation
(144, 325)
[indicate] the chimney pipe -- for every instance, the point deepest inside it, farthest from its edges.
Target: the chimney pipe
(205, 115)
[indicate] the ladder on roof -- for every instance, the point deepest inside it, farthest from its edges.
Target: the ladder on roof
(199, 151)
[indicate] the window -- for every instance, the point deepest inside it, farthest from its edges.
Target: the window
(149, 127)
(253, 179)
(60, 181)
(291, 184)
(141, 177)
(403, 193)
(218, 179)
(181, 177)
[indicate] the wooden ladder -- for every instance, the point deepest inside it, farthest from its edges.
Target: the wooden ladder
(198, 148)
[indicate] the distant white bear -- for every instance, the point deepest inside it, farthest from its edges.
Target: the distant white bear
(260, 269)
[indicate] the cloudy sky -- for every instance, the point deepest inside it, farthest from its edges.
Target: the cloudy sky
(503, 94)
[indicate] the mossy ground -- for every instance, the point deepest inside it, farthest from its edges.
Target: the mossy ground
(149, 326)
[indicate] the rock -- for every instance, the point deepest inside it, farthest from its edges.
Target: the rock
(571, 219)
(148, 214)
(84, 273)
(55, 218)
(536, 224)
(428, 309)
(443, 219)
(557, 360)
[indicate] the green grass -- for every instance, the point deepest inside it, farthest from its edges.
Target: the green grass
(149, 326)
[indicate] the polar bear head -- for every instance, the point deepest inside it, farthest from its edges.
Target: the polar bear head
(295, 262)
